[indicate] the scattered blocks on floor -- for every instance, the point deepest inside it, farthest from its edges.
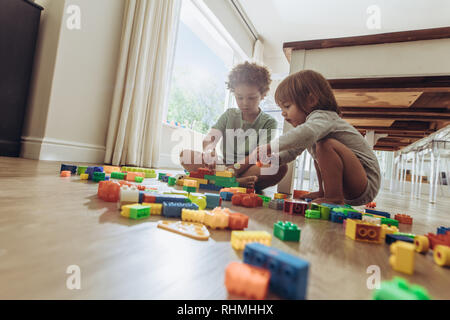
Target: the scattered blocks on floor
(402, 257)
(65, 174)
(138, 179)
(239, 239)
(237, 221)
(135, 211)
(84, 176)
(190, 215)
(199, 199)
(403, 218)
(385, 229)
(363, 231)
(244, 280)
(299, 193)
(109, 191)
(289, 274)
(213, 200)
(378, 213)
(110, 169)
(226, 196)
(441, 255)
(216, 219)
(400, 289)
(68, 167)
(391, 238)
(280, 196)
(91, 170)
(226, 174)
(276, 204)
(98, 176)
(81, 170)
(371, 205)
(118, 175)
(442, 230)
(173, 209)
(171, 181)
(155, 208)
(189, 229)
(286, 231)
(312, 214)
(248, 200)
(211, 187)
(295, 206)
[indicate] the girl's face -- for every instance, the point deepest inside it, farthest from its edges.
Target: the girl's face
(292, 114)
(248, 98)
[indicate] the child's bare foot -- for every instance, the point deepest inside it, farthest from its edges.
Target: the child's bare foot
(329, 200)
(247, 182)
(312, 195)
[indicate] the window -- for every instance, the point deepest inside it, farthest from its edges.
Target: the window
(203, 58)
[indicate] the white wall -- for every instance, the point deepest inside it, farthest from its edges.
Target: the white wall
(69, 107)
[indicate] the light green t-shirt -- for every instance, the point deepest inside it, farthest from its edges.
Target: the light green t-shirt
(240, 137)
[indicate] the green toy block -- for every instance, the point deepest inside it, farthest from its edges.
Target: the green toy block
(161, 175)
(98, 176)
(118, 175)
(409, 235)
(172, 181)
(400, 289)
(138, 179)
(286, 231)
(312, 214)
(389, 222)
(189, 189)
(138, 212)
(81, 170)
(264, 198)
(325, 212)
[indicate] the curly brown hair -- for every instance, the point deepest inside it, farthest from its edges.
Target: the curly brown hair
(250, 74)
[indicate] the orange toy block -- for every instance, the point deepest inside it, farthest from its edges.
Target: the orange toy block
(109, 191)
(404, 218)
(110, 169)
(237, 221)
(371, 204)
(299, 193)
(132, 175)
(248, 281)
(65, 174)
(249, 200)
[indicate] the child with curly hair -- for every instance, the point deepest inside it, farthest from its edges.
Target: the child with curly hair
(241, 130)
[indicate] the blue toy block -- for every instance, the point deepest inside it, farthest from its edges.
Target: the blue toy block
(211, 187)
(160, 198)
(91, 170)
(173, 209)
(391, 238)
(378, 213)
(165, 179)
(354, 215)
(442, 230)
(212, 200)
(289, 274)
(107, 178)
(141, 196)
(337, 217)
(68, 167)
(308, 200)
(226, 196)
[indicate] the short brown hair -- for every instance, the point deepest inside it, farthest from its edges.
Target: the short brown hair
(250, 74)
(299, 86)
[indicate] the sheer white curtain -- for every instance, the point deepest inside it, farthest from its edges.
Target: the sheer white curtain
(146, 55)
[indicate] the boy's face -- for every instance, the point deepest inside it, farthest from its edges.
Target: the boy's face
(248, 98)
(292, 114)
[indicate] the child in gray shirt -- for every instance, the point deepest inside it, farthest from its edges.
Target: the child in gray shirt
(347, 169)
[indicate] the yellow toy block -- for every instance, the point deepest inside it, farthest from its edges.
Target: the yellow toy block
(239, 239)
(441, 255)
(126, 209)
(193, 215)
(84, 176)
(226, 174)
(238, 190)
(362, 231)
(280, 196)
(216, 219)
(189, 229)
(180, 182)
(190, 183)
(402, 257)
(385, 229)
(155, 208)
(200, 181)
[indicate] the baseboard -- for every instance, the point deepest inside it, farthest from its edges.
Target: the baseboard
(61, 150)
(166, 161)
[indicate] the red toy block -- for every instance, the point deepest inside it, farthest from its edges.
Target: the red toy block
(299, 193)
(236, 200)
(248, 281)
(149, 198)
(109, 191)
(65, 174)
(295, 206)
(197, 175)
(248, 200)
(403, 218)
(371, 205)
(439, 239)
(205, 171)
(237, 221)
(250, 190)
(141, 187)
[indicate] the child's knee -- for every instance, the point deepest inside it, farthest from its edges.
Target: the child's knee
(323, 147)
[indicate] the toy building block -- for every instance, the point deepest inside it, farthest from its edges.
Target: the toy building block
(65, 174)
(216, 219)
(264, 198)
(442, 230)
(363, 231)
(286, 231)
(385, 229)
(84, 176)
(237, 221)
(299, 193)
(98, 176)
(135, 211)
(389, 222)
(211, 187)
(111, 169)
(239, 190)
(108, 191)
(402, 257)
(391, 238)
(280, 196)
(288, 273)
(226, 196)
(68, 167)
(276, 204)
(312, 214)
(295, 206)
(131, 175)
(155, 208)
(205, 171)
(378, 213)
(180, 182)
(190, 189)
(239, 239)
(371, 219)
(400, 289)
(196, 175)
(213, 200)
(226, 174)
(337, 216)
(172, 181)
(92, 170)
(138, 179)
(325, 210)
(441, 255)
(422, 244)
(222, 181)
(199, 199)
(173, 209)
(160, 198)
(371, 205)
(403, 218)
(128, 194)
(165, 178)
(199, 181)
(189, 229)
(251, 200)
(193, 215)
(118, 175)
(161, 175)
(244, 280)
(81, 170)
(436, 239)
(404, 234)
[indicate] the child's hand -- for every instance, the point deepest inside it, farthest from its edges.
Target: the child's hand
(261, 154)
(210, 159)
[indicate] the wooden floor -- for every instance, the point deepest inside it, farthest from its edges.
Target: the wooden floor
(48, 223)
